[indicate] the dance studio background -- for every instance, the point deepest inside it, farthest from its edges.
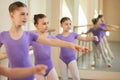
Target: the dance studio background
(80, 11)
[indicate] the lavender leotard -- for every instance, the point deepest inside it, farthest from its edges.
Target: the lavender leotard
(17, 50)
(98, 32)
(66, 54)
(42, 54)
(102, 26)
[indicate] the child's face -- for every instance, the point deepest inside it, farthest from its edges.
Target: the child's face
(19, 16)
(42, 25)
(99, 22)
(102, 19)
(66, 25)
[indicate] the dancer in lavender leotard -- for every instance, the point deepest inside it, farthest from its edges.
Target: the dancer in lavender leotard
(67, 56)
(105, 42)
(17, 41)
(99, 31)
(42, 52)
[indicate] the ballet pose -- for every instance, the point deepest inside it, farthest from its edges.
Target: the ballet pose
(98, 47)
(105, 42)
(17, 41)
(42, 52)
(67, 56)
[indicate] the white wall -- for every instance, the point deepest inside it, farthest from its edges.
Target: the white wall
(5, 22)
(49, 11)
(4, 15)
(111, 11)
(35, 7)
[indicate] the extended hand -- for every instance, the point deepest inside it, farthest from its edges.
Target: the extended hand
(81, 49)
(40, 69)
(95, 38)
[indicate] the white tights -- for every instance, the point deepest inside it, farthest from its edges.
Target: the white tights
(72, 66)
(51, 76)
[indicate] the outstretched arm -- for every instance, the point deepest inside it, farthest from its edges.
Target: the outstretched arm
(59, 43)
(111, 28)
(22, 72)
(87, 38)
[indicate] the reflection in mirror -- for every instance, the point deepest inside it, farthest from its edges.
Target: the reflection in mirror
(81, 12)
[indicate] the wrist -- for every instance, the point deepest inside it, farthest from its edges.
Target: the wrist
(71, 45)
(33, 70)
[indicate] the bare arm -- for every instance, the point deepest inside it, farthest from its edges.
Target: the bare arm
(22, 72)
(111, 28)
(87, 38)
(54, 42)
(60, 43)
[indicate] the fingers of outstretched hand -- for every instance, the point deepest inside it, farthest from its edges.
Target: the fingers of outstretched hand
(86, 50)
(41, 69)
(78, 48)
(82, 49)
(96, 38)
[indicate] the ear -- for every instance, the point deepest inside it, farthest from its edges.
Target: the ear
(36, 25)
(11, 15)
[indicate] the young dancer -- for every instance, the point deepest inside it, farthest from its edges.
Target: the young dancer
(67, 56)
(98, 49)
(42, 52)
(22, 72)
(17, 41)
(105, 42)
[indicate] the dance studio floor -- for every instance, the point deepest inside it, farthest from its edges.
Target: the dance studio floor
(115, 47)
(85, 64)
(84, 60)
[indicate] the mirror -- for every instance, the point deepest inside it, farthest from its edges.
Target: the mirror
(81, 12)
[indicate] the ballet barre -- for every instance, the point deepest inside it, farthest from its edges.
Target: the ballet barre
(3, 55)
